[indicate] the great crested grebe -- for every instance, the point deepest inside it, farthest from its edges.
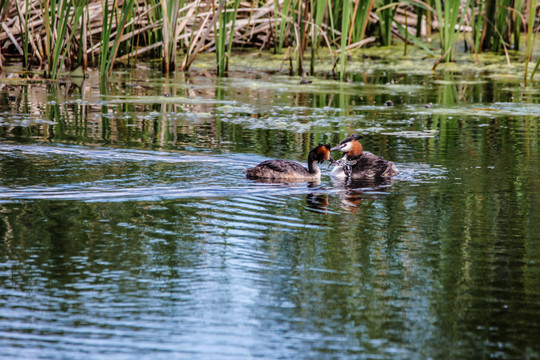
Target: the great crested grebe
(359, 164)
(290, 170)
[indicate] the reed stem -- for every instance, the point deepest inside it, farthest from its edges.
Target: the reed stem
(531, 6)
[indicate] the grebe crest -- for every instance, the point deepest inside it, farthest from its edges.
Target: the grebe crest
(291, 170)
(359, 164)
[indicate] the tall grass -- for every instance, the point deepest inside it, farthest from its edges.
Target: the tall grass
(63, 34)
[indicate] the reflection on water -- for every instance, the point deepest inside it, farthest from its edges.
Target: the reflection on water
(128, 229)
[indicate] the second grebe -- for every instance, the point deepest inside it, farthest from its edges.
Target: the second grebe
(291, 170)
(359, 164)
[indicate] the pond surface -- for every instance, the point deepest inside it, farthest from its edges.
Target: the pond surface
(128, 230)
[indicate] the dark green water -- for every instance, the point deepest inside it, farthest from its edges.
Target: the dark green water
(127, 228)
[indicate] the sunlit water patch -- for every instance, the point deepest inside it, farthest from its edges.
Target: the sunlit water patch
(90, 174)
(416, 173)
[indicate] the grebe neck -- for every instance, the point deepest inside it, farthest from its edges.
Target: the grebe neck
(350, 157)
(313, 164)
(313, 167)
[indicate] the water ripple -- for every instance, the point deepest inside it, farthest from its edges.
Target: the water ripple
(113, 175)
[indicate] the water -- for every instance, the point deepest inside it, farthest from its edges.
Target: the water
(128, 230)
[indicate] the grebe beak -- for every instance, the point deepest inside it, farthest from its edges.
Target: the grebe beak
(323, 160)
(332, 162)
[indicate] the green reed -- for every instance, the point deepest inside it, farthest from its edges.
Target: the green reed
(532, 4)
(287, 17)
(224, 43)
(221, 39)
(517, 22)
(62, 20)
(448, 19)
(500, 24)
(170, 14)
(386, 18)
(361, 16)
(109, 49)
(23, 19)
(231, 32)
(344, 31)
(319, 8)
(477, 24)
(191, 42)
(106, 31)
(199, 38)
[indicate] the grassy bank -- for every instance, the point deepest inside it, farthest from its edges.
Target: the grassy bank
(62, 35)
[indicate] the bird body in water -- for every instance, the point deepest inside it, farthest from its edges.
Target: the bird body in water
(359, 164)
(291, 170)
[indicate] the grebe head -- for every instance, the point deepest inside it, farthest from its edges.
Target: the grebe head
(320, 154)
(350, 146)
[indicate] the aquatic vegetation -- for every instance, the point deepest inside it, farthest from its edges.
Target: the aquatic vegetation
(170, 13)
(63, 35)
(448, 20)
(528, 51)
(413, 134)
(108, 53)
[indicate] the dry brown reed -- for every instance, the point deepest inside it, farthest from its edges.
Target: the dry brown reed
(159, 28)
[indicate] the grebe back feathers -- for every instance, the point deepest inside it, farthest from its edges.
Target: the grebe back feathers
(285, 169)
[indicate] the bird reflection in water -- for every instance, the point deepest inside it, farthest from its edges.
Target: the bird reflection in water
(318, 202)
(358, 190)
(350, 192)
(287, 182)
